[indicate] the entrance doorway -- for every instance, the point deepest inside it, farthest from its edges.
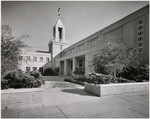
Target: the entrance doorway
(69, 67)
(61, 67)
(80, 61)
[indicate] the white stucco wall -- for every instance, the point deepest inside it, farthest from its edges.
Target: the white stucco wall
(24, 63)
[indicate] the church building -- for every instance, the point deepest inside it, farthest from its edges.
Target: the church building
(132, 29)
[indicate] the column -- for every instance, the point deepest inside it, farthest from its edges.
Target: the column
(64, 40)
(73, 64)
(87, 68)
(56, 33)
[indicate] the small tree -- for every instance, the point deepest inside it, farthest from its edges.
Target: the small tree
(10, 49)
(113, 58)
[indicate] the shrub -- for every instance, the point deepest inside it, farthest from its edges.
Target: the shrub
(97, 78)
(48, 72)
(4, 84)
(136, 74)
(18, 79)
(80, 71)
(36, 74)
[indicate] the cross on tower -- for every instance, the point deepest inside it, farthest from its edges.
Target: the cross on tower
(58, 12)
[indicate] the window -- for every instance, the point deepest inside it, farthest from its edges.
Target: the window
(140, 27)
(34, 58)
(140, 36)
(34, 68)
(140, 39)
(140, 33)
(61, 47)
(28, 58)
(28, 69)
(140, 44)
(61, 54)
(140, 22)
(140, 50)
(60, 33)
(20, 58)
(41, 59)
(80, 63)
(47, 59)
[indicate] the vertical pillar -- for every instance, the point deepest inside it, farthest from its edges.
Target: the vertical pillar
(65, 67)
(63, 33)
(56, 33)
(86, 65)
(73, 65)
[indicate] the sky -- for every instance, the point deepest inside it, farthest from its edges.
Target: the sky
(80, 18)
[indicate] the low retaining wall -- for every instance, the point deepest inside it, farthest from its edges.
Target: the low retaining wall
(12, 98)
(112, 89)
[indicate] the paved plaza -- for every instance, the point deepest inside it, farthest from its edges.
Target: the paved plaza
(67, 100)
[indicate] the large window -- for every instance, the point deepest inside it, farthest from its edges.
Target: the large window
(41, 59)
(28, 58)
(28, 69)
(34, 58)
(34, 68)
(47, 59)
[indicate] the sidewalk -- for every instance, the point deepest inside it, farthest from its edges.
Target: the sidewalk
(67, 100)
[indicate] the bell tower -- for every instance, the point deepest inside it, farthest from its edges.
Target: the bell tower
(58, 42)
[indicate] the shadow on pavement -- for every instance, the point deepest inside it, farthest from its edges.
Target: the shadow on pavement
(77, 91)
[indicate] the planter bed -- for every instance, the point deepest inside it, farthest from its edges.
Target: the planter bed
(112, 89)
(13, 98)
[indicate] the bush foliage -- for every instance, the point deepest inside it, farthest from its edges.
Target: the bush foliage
(130, 74)
(98, 78)
(80, 71)
(18, 79)
(51, 72)
(139, 74)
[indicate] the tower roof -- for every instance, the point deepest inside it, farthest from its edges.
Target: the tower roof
(59, 23)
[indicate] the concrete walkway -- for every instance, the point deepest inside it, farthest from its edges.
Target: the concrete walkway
(67, 100)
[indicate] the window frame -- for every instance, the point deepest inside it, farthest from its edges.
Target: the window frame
(35, 58)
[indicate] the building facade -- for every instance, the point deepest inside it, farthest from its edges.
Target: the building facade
(35, 60)
(132, 29)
